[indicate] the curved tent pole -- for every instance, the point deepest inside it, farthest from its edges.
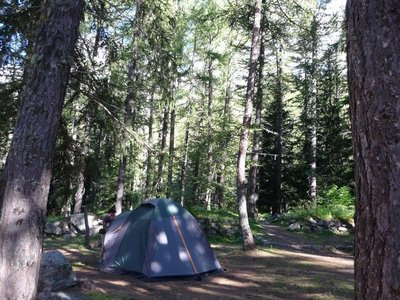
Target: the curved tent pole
(184, 244)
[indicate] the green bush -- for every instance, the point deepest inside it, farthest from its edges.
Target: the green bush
(337, 196)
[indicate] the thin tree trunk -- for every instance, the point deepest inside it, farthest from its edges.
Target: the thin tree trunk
(373, 47)
(248, 240)
(184, 164)
(80, 191)
(252, 189)
(171, 152)
(210, 175)
(149, 161)
(158, 183)
(121, 184)
(219, 190)
(25, 181)
(313, 116)
(187, 134)
(277, 207)
(129, 110)
(80, 161)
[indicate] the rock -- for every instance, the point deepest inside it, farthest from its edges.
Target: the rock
(294, 226)
(312, 221)
(323, 223)
(78, 221)
(86, 284)
(342, 229)
(53, 228)
(55, 272)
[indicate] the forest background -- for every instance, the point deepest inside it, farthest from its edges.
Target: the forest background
(155, 103)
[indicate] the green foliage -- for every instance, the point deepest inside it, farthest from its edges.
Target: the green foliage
(327, 213)
(60, 242)
(337, 196)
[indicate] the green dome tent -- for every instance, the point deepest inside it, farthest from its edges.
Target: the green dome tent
(158, 239)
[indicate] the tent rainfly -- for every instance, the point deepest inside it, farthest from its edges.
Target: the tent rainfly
(159, 239)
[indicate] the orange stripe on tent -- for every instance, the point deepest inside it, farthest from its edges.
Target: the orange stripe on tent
(184, 244)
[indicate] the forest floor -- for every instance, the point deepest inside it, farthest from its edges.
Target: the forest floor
(293, 266)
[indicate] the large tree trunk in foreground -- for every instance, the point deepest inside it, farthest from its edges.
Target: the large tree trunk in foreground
(25, 181)
(373, 47)
(248, 240)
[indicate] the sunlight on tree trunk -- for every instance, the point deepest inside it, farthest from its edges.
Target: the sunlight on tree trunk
(248, 240)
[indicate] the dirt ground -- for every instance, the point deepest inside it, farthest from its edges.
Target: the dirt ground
(293, 268)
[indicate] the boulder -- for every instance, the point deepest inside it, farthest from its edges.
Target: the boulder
(294, 226)
(53, 228)
(55, 272)
(78, 221)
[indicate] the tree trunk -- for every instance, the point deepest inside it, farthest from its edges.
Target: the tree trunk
(313, 116)
(121, 184)
(80, 191)
(25, 181)
(210, 175)
(373, 47)
(248, 240)
(277, 207)
(149, 160)
(219, 190)
(252, 189)
(184, 164)
(171, 152)
(158, 183)
(129, 110)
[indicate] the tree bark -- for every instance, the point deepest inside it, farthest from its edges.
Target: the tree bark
(373, 47)
(25, 181)
(248, 240)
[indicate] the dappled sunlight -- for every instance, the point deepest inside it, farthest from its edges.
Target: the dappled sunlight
(183, 255)
(234, 283)
(172, 209)
(200, 248)
(120, 282)
(156, 267)
(162, 238)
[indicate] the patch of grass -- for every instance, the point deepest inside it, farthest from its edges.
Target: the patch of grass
(327, 213)
(214, 214)
(77, 242)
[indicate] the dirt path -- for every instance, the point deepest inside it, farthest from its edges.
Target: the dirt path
(279, 237)
(270, 272)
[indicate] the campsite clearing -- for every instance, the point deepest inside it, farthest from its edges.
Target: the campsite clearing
(266, 273)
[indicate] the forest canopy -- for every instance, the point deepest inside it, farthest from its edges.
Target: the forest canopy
(156, 97)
